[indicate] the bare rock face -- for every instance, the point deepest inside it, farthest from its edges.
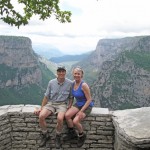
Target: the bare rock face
(17, 52)
(108, 49)
(123, 74)
(19, 62)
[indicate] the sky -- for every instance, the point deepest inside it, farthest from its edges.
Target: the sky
(92, 20)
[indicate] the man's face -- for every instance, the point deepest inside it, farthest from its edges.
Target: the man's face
(61, 74)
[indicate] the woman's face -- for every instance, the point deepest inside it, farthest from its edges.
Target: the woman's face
(77, 74)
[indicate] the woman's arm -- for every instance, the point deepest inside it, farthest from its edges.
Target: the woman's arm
(87, 93)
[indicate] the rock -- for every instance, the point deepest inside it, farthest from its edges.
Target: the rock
(132, 128)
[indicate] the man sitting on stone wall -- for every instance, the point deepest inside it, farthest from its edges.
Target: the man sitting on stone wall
(57, 96)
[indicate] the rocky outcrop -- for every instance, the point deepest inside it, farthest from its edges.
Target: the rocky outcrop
(23, 76)
(19, 62)
(123, 76)
(108, 49)
(17, 52)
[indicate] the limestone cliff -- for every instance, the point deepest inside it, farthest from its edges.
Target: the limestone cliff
(120, 72)
(22, 76)
(17, 54)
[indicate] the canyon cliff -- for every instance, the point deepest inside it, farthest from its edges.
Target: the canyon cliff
(118, 72)
(22, 76)
(122, 71)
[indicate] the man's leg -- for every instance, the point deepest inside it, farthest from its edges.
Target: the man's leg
(42, 116)
(59, 127)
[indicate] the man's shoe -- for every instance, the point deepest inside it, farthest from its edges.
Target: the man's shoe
(44, 139)
(81, 140)
(71, 135)
(58, 141)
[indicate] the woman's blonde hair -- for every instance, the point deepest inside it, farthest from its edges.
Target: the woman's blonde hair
(79, 69)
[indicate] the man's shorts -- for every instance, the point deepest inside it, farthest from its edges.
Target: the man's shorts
(56, 107)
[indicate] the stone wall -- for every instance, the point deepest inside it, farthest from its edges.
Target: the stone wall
(118, 130)
(19, 130)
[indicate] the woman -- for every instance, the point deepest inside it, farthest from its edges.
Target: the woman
(80, 109)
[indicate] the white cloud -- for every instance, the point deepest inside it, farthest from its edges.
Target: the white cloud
(91, 21)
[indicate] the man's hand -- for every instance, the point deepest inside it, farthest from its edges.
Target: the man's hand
(68, 107)
(37, 111)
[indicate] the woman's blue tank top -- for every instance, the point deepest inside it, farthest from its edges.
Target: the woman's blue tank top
(79, 96)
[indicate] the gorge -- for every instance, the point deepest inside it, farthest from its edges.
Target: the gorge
(121, 72)
(118, 72)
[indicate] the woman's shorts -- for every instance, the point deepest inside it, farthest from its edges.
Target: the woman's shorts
(56, 107)
(87, 111)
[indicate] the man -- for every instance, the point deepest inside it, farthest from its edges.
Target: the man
(57, 96)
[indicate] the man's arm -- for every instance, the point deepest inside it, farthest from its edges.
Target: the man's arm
(71, 98)
(70, 103)
(44, 102)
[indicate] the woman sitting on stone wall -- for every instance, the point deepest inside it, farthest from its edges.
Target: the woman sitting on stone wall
(80, 109)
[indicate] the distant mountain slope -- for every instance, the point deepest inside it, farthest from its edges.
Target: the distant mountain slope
(69, 58)
(23, 78)
(90, 73)
(118, 72)
(47, 52)
(107, 50)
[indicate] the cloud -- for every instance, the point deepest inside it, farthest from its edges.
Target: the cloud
(91, 21)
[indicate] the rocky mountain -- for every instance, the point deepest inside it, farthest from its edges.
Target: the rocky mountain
(69, 58)
(120, 70)
(23, 77)
(47, 51)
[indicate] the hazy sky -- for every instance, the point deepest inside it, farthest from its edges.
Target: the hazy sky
(92, 20)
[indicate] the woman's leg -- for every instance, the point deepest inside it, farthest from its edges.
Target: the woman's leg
(79, 117)
(71, 131)
(77, 122)
(81, 134)
(69, 115)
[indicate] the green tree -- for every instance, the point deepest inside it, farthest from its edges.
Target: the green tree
(43, 8)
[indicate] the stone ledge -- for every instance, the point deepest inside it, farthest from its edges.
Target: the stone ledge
(133, 126)
(30, 108)
(100, 111)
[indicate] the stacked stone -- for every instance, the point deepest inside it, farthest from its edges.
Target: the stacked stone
(100, 130)
(19, 130)
(5, 130)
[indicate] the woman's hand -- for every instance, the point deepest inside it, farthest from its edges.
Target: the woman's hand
(80, 114)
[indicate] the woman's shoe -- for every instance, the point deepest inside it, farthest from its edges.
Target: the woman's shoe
(81, 140)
